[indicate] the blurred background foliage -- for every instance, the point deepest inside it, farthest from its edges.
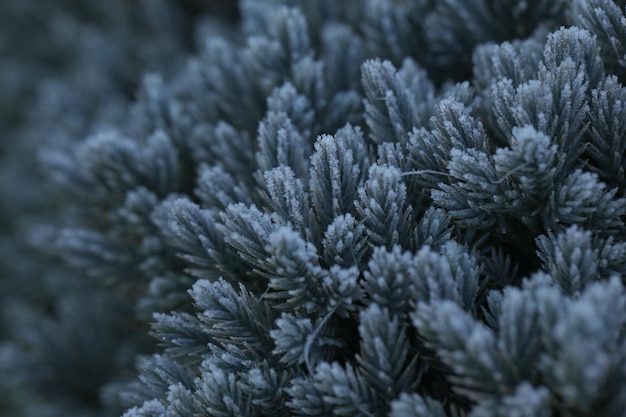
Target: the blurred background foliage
(67, 69)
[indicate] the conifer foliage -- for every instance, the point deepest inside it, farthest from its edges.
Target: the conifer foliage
(369, 208)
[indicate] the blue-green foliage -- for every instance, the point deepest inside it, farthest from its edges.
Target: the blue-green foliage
(369, 208)
(68, 70)
(457, 26)
(604, 18)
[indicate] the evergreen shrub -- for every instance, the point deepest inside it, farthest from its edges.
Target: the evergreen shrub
(354, 208)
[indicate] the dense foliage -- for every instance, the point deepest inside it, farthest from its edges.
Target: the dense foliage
(349, 208)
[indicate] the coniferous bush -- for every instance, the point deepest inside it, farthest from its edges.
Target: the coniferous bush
(356, 208)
